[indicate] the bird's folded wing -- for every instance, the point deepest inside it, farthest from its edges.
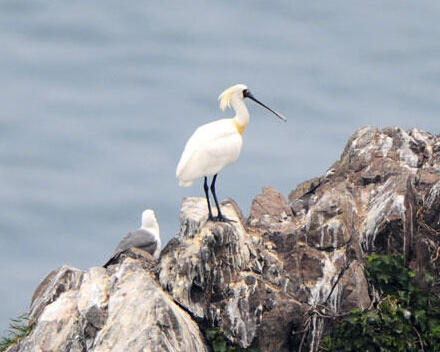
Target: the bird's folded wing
(202, 137)
(139, 239)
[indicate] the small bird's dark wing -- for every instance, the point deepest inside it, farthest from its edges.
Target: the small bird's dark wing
(139, 239)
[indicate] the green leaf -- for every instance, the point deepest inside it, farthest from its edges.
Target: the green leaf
(435, 331)
(429, 277)
(19, 328)
(211, 333)
(219, 345)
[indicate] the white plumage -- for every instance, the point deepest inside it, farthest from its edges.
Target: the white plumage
(217, 144)
(211, 147)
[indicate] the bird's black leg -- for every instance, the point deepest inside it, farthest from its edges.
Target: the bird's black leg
(220, 216)
(206, 188)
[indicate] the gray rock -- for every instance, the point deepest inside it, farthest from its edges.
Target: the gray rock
(142, 317)
(294, 263)
(122, 309)
(275, 280)
(63, 279)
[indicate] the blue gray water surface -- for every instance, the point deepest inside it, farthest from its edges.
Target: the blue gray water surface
(97, 99)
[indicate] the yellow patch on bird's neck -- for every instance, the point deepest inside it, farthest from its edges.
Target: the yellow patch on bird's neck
(240, 128)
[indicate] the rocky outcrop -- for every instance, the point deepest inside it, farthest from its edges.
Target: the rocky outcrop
(119, 309)
(274, 280)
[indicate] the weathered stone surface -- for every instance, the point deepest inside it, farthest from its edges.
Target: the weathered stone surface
(55, 283)
(431, 215)
(235, 278)
(353, 288)
(141, 317)
(92, 302)
(120, 309)
(287, 269)
(269, 207)
(205, 266)
(276, 279)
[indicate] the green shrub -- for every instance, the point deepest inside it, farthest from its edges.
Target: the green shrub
(406, 318)
(19, 328)
(219, 343)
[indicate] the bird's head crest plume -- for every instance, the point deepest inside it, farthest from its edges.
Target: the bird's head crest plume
(228, 94)
(149, 221)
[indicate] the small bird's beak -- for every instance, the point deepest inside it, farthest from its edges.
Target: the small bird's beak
(247, 94)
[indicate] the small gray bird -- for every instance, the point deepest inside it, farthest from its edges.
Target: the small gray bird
(147, 237)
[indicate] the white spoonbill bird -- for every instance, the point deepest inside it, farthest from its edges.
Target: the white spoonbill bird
(217, 144)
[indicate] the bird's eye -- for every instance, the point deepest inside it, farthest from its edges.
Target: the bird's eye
(245, 93)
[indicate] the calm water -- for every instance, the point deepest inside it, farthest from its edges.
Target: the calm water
(98, 98)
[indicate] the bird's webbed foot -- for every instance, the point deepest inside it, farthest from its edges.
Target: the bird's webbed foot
(221, 218)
